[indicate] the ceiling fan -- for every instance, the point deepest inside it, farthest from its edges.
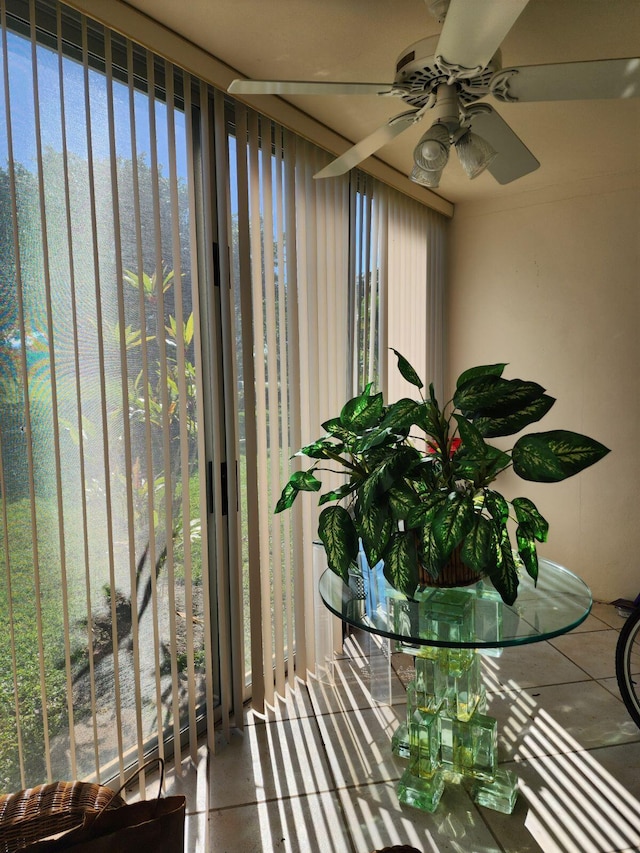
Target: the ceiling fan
(448, 75)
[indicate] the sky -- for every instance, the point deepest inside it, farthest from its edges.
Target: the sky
(23, 113)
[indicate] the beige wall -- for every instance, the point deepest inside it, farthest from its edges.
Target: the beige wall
(550, 282)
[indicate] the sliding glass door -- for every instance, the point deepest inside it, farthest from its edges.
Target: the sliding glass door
(149, 226)
(104, 626)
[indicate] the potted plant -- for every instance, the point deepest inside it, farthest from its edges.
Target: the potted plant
(418, 492)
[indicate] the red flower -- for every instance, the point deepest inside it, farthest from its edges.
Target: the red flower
(432, 446)
(455, 445)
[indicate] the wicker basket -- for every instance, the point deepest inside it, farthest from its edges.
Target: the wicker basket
(35, 813)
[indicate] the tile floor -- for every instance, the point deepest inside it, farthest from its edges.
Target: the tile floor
(317, 774)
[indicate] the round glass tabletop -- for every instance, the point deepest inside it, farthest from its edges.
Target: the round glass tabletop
(465, 617)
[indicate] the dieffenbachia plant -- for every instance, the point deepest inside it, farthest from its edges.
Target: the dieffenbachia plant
(418, 478)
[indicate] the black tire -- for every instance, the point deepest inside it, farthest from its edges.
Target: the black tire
(627, 670)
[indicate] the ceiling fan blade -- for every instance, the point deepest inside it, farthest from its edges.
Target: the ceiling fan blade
(369, 145)
(474, 29)
(566, 81)
(292, 87)
(513, 160)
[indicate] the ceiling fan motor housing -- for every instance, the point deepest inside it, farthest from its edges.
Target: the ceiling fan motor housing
(418, 74)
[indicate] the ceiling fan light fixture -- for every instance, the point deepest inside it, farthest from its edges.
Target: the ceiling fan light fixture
(432, 152)
(438, 8)
(426, 177)
(474, 153)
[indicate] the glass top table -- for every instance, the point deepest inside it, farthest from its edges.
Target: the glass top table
(448, 735)
(557, 604)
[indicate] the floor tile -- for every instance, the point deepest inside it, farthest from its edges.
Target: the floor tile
(292, 824)
(377, 820)
(315, 771)
(531, 665)
(295, 703)
(190, 782)
(608, 614)
(611, 684)
(359, 643)
(591, 623)
(356, 684)
(358, 744)
(559, 718)
(581, 802)
(594, 652)
(268, 760)
(196, 833)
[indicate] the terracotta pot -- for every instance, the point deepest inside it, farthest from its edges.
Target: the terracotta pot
(454, 573)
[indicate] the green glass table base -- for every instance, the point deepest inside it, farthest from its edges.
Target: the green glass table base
(447, 735)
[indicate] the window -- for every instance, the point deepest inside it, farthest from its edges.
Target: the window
(181, 307)
(102, 600)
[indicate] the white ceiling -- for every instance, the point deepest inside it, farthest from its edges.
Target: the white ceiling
(359, 40)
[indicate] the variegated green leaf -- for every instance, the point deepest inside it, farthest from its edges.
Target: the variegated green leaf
(496, 506)
(481, 466)
(425, 477)
(340, 539)
(401, 563)
(401, 414)
(453, 520)
(472, 440)
(407, 371)
(375, 528)
(482, 370)
(362, 412)
(491, 427)
(514, 394)
(305, 481)
(504, 574)
(478, 548)
(393, 466)
(492, 396)
(528, 515)
(321, 449)
(527, 550)
(335, 427)
(426, 509)
(430, 554)
(548, 457)
(339, 493)
(371, 438)
(299, 481)
(288, 496)
(477, 393)
(428, 418)
(401, 499)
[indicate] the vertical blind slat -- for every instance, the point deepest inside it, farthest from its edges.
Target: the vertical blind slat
(145, 373)
(54, 407)
(283, 567)
(228, 684)
(292, 356)
(250, 402)
(204, 327)
(183, 464)
(126, 431)
(257, 165)
(168, 521)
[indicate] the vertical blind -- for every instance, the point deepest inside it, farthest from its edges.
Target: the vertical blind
(414, 294)
(397, 274)
(181, 306)
(326, 274)
(103, 598)
(290, 266)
